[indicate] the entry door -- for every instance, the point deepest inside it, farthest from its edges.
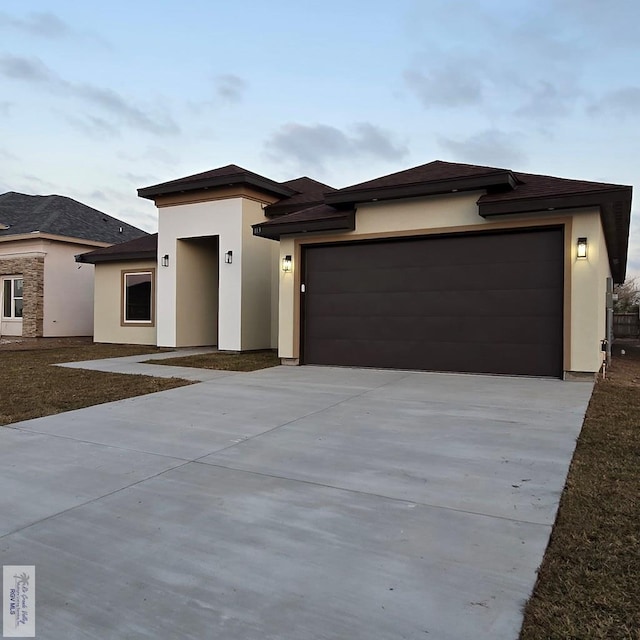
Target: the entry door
(480, 303)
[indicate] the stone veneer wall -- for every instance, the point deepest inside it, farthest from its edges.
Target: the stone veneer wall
(32, 271)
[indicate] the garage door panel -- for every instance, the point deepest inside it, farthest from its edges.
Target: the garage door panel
(489, 303)
(463, 329)
(469, 276)
(533, 302)
(442, 356)
(492, 249)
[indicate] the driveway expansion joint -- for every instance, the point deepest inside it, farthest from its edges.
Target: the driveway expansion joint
(367, 493)
(91, 501)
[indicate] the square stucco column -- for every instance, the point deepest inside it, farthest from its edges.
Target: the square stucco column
(588, 294)
(221, 219)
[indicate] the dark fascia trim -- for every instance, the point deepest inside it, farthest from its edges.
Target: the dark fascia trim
(276, 209)
(117, 257)
(502, 180)
(260, 183)
(274, 230)
(549, 203)
(615, 213)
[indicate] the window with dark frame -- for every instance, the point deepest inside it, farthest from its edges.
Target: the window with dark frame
(138, 302)
(12, 301)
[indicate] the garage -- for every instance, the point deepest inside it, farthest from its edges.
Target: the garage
(477, 303)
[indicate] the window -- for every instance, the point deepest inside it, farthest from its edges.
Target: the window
(137, 297)
(12, 298)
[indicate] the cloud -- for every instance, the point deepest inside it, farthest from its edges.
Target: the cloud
(7, 155)
(35, 180)
(36, 72)
(615, 22)
(46, 25)
(548, 100)
(18, 68)
(450, 85)
(311, 146)
(153, 154)
(115, 104)
(620, 102)
(93, 126)
(230, 88)
(5, 107)
(490, 147)
(138, 178)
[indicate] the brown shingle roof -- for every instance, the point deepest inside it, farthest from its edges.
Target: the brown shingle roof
(221, 177)
(505, 193)
(140, 248)
(310, 192)
(531, 185)
(317, 218)
(430, 172)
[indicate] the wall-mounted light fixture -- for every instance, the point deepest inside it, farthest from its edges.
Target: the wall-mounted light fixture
(286, 263)
(582, 248)
(228, 257)
(165, 260)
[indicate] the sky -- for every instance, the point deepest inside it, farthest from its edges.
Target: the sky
(98, 99)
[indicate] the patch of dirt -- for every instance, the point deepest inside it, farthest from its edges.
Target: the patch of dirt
(12, 343)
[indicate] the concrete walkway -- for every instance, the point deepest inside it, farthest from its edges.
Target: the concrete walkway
(292, 503)
(135, 365)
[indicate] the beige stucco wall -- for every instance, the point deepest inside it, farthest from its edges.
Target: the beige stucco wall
(68, 291)
(244, 287)
(197, 292)
(585, 280)
(219, 218)
(588, 293)
(58, 292)
(108, 305)
(259, 260)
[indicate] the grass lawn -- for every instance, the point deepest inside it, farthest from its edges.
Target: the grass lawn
(589, 582)
(30, 388)
(247, 361)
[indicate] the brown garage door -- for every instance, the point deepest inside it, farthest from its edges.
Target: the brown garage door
(483, 303)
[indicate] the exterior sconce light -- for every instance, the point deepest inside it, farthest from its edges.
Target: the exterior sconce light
(286, 264)
(165, 260)
(582, 248)
(228, 257)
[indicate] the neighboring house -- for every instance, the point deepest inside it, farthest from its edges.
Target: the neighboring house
(446, 267)
(43, 292)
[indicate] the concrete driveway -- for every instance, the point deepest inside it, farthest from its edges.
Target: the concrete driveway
(292, 503)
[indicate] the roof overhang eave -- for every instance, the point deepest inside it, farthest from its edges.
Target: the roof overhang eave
(498, 181)
(275, 230)
(615, 213)
(262, 184)
(116, 257)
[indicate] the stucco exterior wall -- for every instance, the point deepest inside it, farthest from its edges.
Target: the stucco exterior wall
(588, 294)
(585, 280)
(257, 273)
(108, 305)
(68, 291)
(244, 286)
(221, 218)
(197, 292)
(58, 295)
